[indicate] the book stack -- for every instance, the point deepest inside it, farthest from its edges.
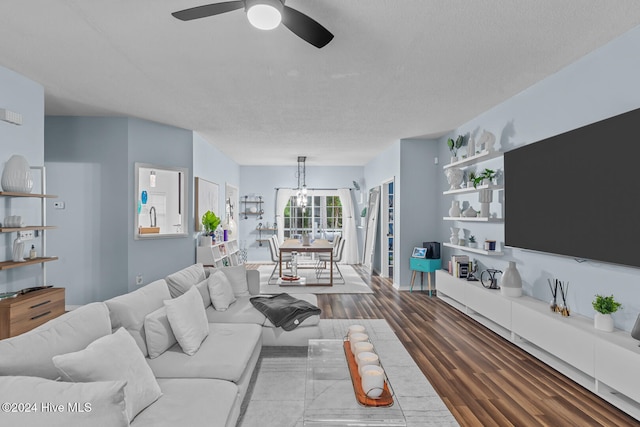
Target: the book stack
(460, 266)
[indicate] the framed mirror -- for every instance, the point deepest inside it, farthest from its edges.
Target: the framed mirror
(160, 202)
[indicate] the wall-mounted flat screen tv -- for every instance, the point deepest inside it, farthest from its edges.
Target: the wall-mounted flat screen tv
(578, 193)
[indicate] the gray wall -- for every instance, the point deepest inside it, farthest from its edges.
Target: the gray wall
(21, 95)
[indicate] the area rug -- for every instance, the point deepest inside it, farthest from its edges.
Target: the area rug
(353, 283)
(276, 392)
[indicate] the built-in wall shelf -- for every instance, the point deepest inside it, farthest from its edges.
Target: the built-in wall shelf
(474, 250)
(480, 157)
(474, 189)
(14, 194)
(472, 219)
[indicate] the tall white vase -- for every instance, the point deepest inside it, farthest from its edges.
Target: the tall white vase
(454, 210)
(454, 239)
(485, 196)
(511, 284)
(16, 175)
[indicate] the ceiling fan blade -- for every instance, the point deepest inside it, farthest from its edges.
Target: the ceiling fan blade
(208, 10)
(306, 28)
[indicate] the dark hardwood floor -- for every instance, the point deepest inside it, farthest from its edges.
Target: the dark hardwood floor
(482, 378)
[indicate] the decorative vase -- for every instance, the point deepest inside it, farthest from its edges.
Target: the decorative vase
(454, 210)
(205, 240)
(470, 212)
(454, 239)
(454, 178)
(306, 240)
(511, 285)
(603, 322)
(472, 244)
(16, 176)
(471, 147)
(18, 250)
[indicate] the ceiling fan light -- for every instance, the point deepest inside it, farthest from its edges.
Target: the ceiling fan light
(265, 14)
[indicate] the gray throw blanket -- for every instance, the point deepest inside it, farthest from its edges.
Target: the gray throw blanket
(284, 310)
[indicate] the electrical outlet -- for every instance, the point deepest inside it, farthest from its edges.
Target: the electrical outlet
(58, 205)
(139, 279)
(26, 235)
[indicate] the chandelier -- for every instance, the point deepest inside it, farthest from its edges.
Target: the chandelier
(301, 194)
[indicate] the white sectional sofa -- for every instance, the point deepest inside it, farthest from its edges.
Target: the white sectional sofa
(125, 357)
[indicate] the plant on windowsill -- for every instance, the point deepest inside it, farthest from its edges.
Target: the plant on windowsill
(604, 307)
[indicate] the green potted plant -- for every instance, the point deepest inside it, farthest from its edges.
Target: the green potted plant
(454, 146)
(487, 174)
(604, 307)
(472, 242)
(210, 221)
(363, 216)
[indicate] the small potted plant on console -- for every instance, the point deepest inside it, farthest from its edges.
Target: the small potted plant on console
(210, 221)
(604, 306)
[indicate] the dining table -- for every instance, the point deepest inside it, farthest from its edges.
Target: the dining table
(315, 246)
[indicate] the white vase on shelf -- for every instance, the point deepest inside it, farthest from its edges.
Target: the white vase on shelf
(454, 178)
(454, 239)
(454, 210)
(16, 175)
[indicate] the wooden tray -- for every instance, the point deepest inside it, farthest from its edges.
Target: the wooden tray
(385, 398)
(290, 278)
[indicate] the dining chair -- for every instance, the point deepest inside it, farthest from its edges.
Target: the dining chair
(337, 257)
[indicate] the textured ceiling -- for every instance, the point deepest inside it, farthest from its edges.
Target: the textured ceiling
(395, 69)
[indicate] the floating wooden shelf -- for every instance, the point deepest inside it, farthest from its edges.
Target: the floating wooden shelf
(14, 194)
(29, 227)
(5, 265)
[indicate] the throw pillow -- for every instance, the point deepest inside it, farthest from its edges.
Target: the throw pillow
(158, 332)
(220, 291)
(237, 276)
(99, 403)
(180, 281)
(188, 320)
(113, 357)
(203, 287)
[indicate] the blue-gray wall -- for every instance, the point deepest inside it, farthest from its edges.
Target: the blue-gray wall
(602, 84)
(26, 97)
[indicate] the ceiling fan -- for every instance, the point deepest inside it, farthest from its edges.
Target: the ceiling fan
(265, 15)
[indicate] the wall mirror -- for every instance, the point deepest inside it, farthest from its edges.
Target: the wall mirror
(160, 202)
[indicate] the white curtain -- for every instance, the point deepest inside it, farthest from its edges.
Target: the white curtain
(350, 255)
(282, 198)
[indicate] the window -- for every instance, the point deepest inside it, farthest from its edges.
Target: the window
(322, 218)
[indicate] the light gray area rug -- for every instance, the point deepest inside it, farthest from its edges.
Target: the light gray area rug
(353, 283)
(276, 392)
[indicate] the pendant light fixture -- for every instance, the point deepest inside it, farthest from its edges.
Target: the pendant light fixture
(301, 194)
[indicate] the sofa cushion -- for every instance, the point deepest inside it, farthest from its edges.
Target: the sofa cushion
(180, 281)
(188, 320)
(220, 291)
(30, 353)
(241, 311)
(192, 402)
(224, 354)
(158, 332)
(203, 288)
(237, 276)
(113, 357)
(129, 310)
(105, 400)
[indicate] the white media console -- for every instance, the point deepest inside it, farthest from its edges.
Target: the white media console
(607, 363)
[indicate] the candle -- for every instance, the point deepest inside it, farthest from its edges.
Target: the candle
(356, 329)
(372, 381)
(366, 358)
(361, 346)
(357, 337)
